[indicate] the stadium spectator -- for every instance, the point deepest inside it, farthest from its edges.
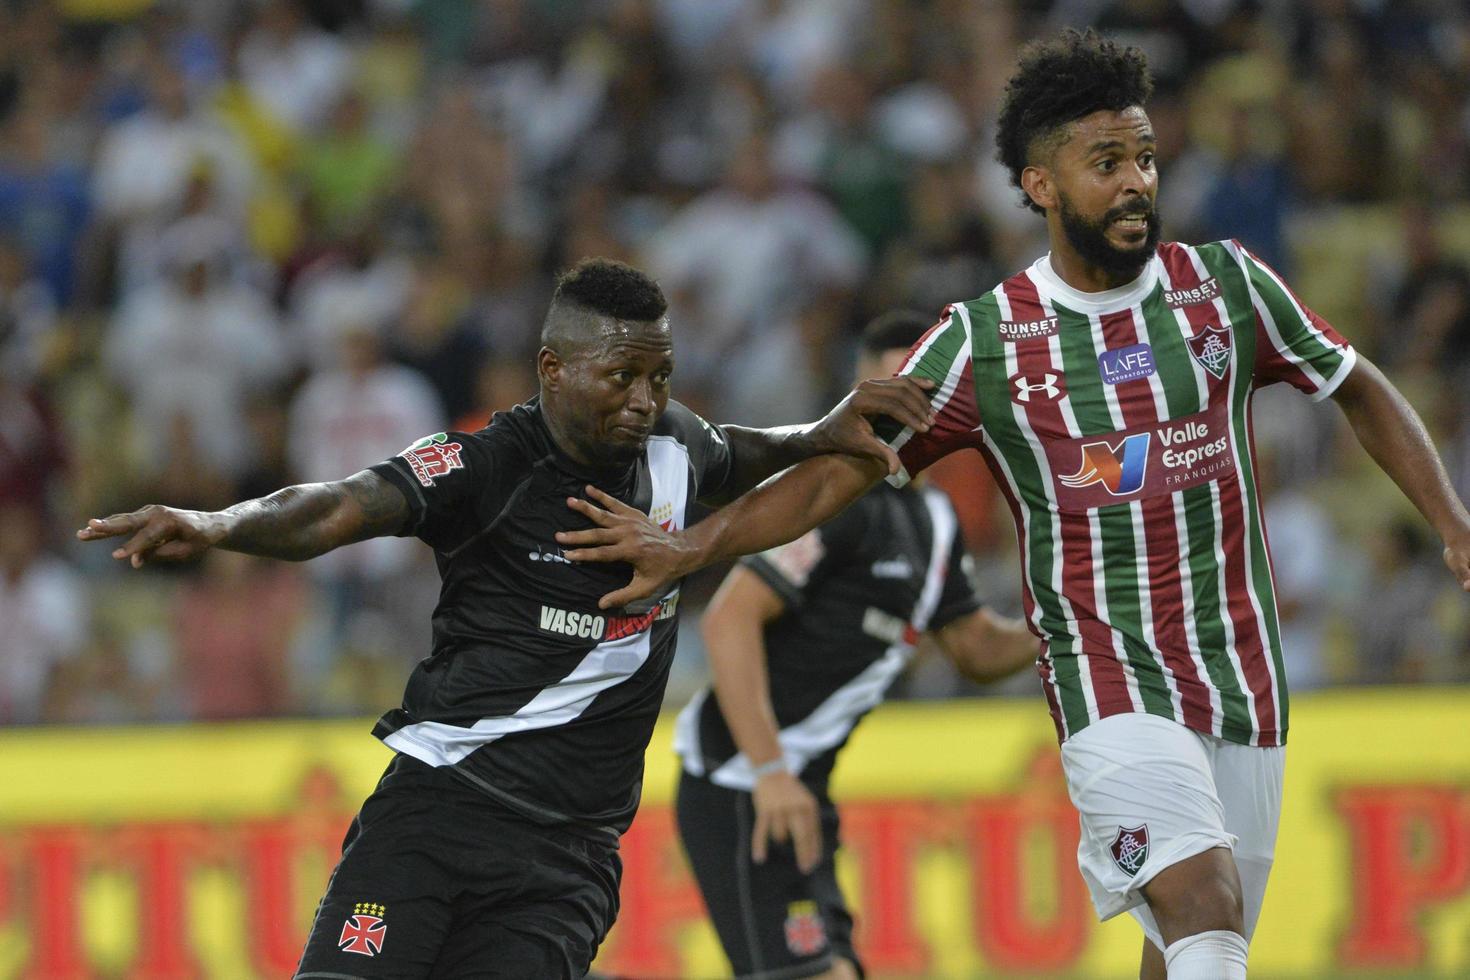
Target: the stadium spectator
(762, 316)
(189, 349)
(44, 605)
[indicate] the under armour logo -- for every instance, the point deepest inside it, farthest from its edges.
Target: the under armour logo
(1047, 386)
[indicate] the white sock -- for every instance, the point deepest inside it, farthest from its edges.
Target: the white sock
(1216, 955)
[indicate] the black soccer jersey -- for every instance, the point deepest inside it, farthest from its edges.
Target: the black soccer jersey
(859, 590)
(531, 692)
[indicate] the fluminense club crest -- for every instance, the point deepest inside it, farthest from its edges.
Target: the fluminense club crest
(364, 931)
(1211, 347)
(1130, 848)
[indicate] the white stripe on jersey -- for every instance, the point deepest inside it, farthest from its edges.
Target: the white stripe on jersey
(833, 719)
(1240, 377)
(946, 389)
(606, 665)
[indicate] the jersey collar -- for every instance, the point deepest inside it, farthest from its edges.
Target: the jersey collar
(1129, 294)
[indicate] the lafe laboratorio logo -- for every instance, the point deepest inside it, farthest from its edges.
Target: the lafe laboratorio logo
(1130, 848)
(1119, 468)
(364, 931)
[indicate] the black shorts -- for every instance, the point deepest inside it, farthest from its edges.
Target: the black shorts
(773, 921)
(438, 880)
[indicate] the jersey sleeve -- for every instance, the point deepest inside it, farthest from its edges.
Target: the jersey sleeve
(794, 569)
(942, 355)
(1293, 344)
(958, 597)
(451, 481)
(709, 449)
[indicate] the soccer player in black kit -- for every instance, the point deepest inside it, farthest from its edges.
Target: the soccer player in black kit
(803, 641)
(489, 848)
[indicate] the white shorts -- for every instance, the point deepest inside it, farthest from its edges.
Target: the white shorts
(1151, 793)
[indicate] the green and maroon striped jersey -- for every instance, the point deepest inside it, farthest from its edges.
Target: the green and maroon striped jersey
(1118, 427)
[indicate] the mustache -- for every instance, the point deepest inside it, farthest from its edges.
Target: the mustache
(1139, 209)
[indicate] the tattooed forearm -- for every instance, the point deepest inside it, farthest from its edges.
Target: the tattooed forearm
(311, 519)
(382, 504)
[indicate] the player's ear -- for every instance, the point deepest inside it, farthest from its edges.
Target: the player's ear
(1038, 185)
(548, 369)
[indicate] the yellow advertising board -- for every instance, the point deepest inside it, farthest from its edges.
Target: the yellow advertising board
(199, 851)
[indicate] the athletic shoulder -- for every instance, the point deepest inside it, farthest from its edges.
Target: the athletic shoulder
(684, 424)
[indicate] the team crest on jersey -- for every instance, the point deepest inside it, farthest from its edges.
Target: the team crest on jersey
(1119, 468)
(1048, 386)
(663, 516)
(1211, 347)
(364, 931)
(806, 935)
(432, 457)
(1130, 848)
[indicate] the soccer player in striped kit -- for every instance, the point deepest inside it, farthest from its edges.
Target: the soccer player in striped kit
(1109, 388)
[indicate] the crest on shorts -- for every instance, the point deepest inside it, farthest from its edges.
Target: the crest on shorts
(805, 933)
(364, 930)
(432, 457)
(1130, 848)
(1211, 347)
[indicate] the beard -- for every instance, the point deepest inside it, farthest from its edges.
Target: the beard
(1090, 238)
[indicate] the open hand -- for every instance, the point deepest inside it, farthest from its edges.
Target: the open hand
(786, 810)
(624, 533)
(848, 428)
(161, 533)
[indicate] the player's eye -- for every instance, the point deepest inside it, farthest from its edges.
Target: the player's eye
(661, 378)
(1146, 161)
(1107, 166)
(622, 377)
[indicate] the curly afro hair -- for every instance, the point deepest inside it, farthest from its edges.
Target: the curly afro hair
(1060, 81)
(611, 288)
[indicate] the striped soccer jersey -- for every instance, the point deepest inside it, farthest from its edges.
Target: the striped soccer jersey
(1118, 427)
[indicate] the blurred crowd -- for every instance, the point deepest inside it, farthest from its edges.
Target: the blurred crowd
(247, 244)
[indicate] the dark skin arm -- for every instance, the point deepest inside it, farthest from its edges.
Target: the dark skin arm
(780, 510)
(986, 646)
(762, 453)
(1392, 433)
(294, 524)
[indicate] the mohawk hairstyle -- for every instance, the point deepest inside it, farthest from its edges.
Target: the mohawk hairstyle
(1060, 81)
(611, 288)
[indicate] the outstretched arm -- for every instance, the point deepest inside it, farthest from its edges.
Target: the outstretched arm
(734, 627)
(987, 647)
(1389, 428)
(762, 453)
(295, 524)
(780, 510)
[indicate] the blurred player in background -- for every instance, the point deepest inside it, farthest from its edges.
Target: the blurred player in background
(1109, 387)
(489, 848)
(803, 641)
